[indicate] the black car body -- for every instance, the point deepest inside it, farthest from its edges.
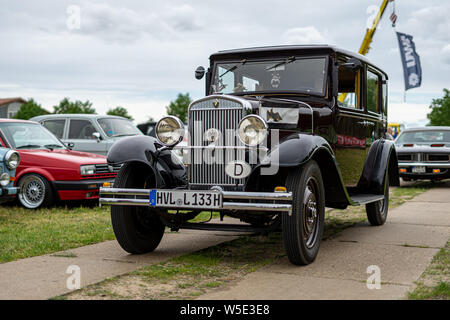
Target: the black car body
(308, 127)
(424, 153)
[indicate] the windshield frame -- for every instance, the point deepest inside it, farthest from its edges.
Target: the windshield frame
(237, 61)
(11, 144)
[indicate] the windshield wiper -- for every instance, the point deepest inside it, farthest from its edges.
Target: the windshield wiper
(52, 146)
(234, 67)
(29, 146)
(282, 63)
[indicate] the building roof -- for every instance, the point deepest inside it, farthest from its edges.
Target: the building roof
(11, 100)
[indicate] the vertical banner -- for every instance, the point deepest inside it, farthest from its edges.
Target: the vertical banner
(412, 71)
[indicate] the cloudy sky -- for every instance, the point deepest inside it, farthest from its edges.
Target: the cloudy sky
(141, 54)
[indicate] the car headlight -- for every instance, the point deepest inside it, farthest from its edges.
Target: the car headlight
(252, 130)
(169, 131)
(12, 159)
(4, 179)
(88, 169)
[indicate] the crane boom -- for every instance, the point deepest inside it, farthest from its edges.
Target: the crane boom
(368, 37)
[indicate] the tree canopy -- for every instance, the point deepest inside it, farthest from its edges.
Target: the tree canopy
(440, 110)
(179, 107)
(29, 110)
(67, 106)
(119, 111)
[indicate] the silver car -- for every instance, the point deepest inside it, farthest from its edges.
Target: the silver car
(87, 132)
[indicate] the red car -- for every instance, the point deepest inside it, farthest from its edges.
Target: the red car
(49, 170)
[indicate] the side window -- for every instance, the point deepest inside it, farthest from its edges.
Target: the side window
(81, 129)
(349, 88)
(373, 91)
(55, 126)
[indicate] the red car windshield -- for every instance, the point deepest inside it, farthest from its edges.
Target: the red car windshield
(22, 135)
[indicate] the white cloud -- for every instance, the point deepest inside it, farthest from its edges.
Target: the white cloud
(303, 35)
(410, 114)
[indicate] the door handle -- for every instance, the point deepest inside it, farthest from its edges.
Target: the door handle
(366, 123)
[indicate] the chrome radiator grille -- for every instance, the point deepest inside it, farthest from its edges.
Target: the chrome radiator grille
(207, 166)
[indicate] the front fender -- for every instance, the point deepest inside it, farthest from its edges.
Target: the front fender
(381, 160)
(295, 150)
(167, 168)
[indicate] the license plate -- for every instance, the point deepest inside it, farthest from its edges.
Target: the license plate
(186, 199)
(419, 169)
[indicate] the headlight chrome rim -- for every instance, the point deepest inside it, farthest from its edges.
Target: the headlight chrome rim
(265, 127)
(8, 161)
(179, 131)
(85, 170)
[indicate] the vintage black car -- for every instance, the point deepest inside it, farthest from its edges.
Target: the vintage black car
(282, 133)
(424, 153)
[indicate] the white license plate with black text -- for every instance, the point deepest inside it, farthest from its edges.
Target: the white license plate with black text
(419, 169)
(186, 199)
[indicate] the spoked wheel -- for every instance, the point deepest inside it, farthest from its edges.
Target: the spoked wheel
(137, 229)
(303, 229)
(34, 191)
(377, 211)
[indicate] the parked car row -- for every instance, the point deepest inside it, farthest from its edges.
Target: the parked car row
(58, 157)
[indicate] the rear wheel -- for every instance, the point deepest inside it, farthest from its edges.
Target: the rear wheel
(35, 191)
(137, 229)
(303, 229)
(377, 211)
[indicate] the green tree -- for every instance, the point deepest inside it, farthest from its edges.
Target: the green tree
(179, 107)
(67, 106)
(440, 110)
(29, 110)
(119, 111)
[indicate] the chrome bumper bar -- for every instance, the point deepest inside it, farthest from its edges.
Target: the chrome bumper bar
(128, 197)
(424, 164)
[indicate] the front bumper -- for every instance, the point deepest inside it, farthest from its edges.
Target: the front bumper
(8, 193)
(444, 168)
(91, 184)
(231, 200)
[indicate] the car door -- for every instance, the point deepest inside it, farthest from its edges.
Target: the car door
(80, 133)
(376, 104)
(350, 124)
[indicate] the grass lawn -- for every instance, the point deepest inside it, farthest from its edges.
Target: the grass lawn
(435, 281)
(26, 233)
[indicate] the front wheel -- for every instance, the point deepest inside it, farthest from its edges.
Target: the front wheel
(303, 229)
(377, 211)
(35, 191)
(137, 229)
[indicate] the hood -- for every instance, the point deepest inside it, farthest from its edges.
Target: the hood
(62, 156)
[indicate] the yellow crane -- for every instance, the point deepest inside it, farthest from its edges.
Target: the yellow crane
(365, 45)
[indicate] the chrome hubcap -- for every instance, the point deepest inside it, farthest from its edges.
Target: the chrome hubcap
(32, 192)
(310, 213)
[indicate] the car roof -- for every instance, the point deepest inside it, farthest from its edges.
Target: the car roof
(75, 115)
(313, 48)
(431, 128)
(17, 120)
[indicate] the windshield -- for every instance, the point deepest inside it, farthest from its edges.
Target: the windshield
(114, 127)
(424, 137)
(306, 75)
(22, 135)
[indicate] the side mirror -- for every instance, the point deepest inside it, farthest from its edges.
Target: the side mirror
(96, 135)
(70, 145)
(352, 64)
(199, 73)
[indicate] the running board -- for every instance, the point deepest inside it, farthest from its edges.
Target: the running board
(363, 198)
(223, 227)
